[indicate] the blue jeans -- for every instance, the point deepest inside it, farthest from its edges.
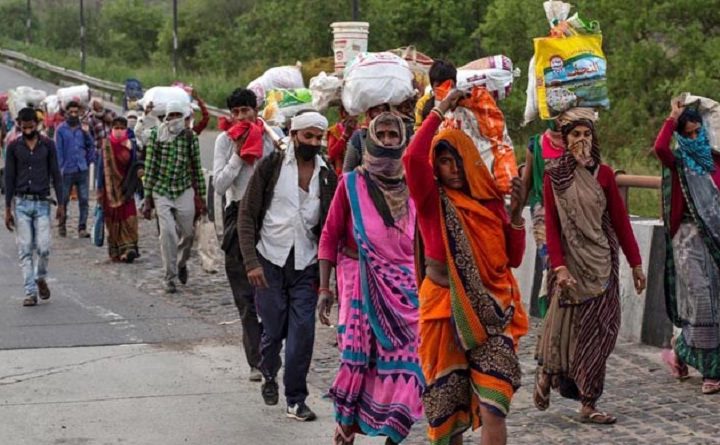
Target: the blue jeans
(82, 182)
(32, 225)
(287, 310)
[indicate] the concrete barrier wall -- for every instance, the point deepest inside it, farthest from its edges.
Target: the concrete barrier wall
(644, 319)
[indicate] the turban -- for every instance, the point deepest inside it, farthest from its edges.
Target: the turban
(311, 119)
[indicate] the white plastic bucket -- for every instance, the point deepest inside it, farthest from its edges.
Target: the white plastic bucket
(349, 40)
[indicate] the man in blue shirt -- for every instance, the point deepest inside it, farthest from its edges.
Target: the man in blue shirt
(76, 151)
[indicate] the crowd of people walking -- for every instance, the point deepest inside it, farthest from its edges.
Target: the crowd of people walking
(405, 228)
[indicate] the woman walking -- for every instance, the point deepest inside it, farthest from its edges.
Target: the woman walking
(586, 221)
(471, 312)
(378, 388)
(691, 210)
(115, 192)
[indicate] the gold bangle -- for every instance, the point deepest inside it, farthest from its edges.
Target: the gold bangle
(518, 226)
(437, 112)
(557, 269)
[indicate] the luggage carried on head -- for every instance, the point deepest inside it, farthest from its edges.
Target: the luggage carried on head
(133, 93)
(494, 73)
(22, 97)
(77, 93)
(283, 104)
(281, 77)
(326, 91)
(373, 79)
(569, 68)
(162, 96)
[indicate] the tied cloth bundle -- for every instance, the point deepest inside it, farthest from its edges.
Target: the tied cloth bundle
(249, 137)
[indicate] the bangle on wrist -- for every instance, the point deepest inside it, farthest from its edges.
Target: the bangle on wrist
(559, 268)
(519, 226)
(437, 112)
(325, 289)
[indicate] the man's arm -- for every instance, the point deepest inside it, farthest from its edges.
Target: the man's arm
(54, 169)
(226, 167)
(197, 166)
(200, 126)
(60, 148)
(151, 169)
(249, 213)
(10, 174)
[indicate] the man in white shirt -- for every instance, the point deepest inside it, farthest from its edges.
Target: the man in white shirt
(231, 174)
(279, 224)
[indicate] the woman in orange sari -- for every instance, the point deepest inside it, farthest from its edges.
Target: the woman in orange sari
(471, 314)
(117, 201)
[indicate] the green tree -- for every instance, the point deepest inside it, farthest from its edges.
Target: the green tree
(13, 16)
(128, 30)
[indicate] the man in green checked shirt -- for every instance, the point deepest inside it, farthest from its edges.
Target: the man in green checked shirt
(173, 184)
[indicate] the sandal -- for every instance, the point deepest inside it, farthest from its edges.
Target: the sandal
(598, 418)
(541, 397)
(341, 439)
(678, 369)
(710, 387)
(30, 301)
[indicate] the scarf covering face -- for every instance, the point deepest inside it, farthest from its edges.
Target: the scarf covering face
(170, 129)
(485, 297)
(696, 153)
(384, 172)
(587, 238)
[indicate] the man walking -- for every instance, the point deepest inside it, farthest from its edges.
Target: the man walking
(31, 163)
(234, 164)
(280, 220)
(75, 153)
(175, 187)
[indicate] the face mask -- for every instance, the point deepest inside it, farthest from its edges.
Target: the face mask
(175, 126)
(581, 150)
(73, 120)
(119, 134)
(307, 151)
(30, 135)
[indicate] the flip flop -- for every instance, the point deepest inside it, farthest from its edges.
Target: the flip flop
(678, 369)
(599, 418)
(540, 399)
(711, 387)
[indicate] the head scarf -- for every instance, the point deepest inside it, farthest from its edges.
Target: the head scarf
(311, 119)
(485, 297)
(384, 173)
(170, 129)
(562, 169)
(696, 153)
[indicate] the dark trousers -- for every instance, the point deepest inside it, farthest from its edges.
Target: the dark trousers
(287, 311)
(81, 181)
(244, 295)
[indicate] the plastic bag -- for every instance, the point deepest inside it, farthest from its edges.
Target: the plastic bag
(99, 227)
(531, 109)
(280, 77)
(482, 120)
(162, 96)
(494, 73)
(710, 112)
(281, 105)
(22, 97)
(419, 64)
(76, 93)
(374, 79)
(570, 72)
(326, 91)
(208, 245)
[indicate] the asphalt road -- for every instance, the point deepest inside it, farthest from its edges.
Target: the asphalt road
(92, 308)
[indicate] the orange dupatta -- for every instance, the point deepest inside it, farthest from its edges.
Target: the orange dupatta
(485, 297)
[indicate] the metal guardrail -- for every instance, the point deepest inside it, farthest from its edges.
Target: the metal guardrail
(76, 76)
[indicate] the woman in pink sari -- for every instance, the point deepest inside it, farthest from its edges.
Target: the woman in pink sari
(378, 388)
(115, 195)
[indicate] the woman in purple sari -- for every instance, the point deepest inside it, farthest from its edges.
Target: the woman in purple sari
(378, 388)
